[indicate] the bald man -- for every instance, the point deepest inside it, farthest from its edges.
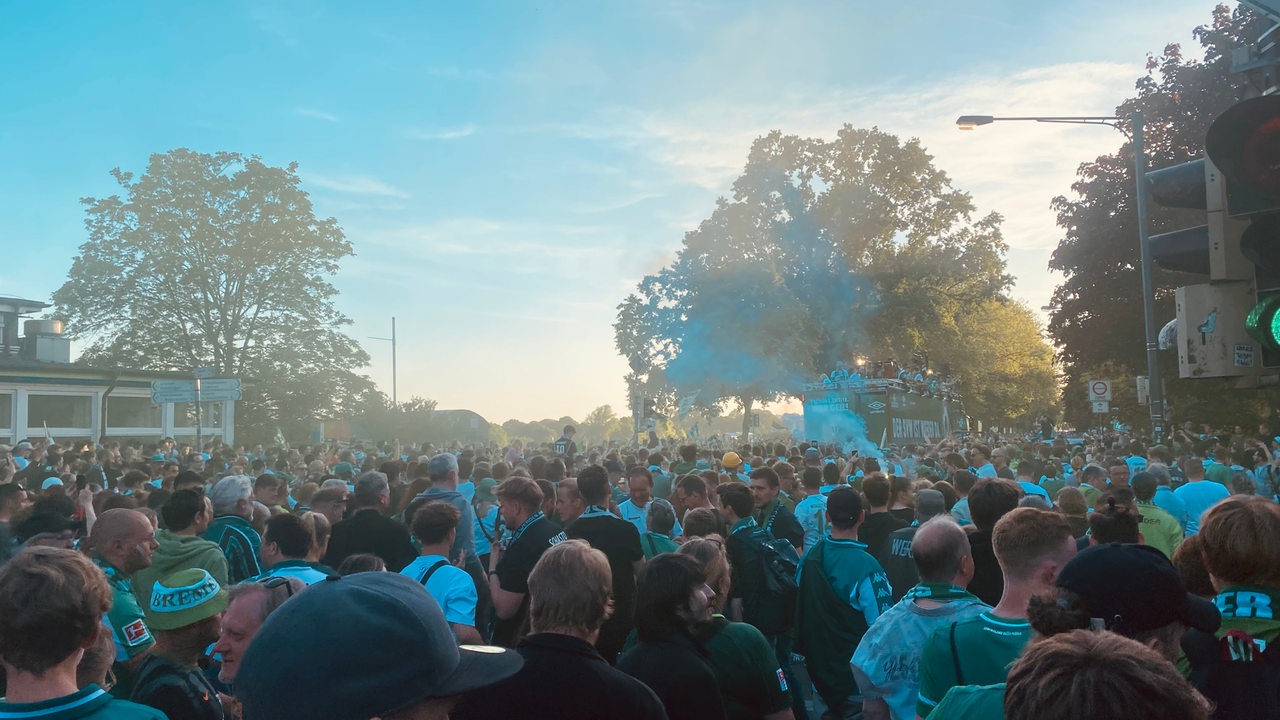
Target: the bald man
(896, 639)
(122, 542)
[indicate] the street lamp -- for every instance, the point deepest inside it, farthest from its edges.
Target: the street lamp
(1156, 395)
(394, 403)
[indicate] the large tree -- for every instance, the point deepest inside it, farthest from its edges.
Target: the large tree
(826, 249)
(1097, 322)
(218, 260)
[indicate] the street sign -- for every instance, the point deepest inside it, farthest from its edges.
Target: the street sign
(204, 373)
(1144, 390)
(1099, 390)
(184, 391)
(1101, 407)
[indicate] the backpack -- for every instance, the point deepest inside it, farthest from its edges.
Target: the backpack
(779, 561)
(1239, 673)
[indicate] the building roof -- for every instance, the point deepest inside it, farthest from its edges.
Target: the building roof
(21, 306)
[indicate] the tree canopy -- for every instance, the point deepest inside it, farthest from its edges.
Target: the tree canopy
(825, 250)
(218, 260)
(1097, 321)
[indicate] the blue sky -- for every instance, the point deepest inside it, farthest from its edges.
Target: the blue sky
(506, 171)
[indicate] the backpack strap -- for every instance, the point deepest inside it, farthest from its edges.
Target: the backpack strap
(768, 526)
(431, 571)
(955, 655)
(652, 549)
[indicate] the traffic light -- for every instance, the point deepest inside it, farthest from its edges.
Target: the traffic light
(1244, 141)
(650, 410)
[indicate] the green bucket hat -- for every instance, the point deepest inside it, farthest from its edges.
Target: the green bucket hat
(185, 598)
(484, 489)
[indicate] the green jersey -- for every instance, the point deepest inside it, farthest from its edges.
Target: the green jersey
(984, 648)
(971, 702)
(88, 703)
(1160, 530)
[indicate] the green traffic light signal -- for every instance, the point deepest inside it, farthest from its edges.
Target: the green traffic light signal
(1263, 322)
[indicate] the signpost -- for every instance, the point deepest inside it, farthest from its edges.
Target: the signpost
(1099, 390)
(201, 388)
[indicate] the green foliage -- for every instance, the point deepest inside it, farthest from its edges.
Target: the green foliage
(827, 249)
(1098, 316)
(218, 260)
(1005, 368)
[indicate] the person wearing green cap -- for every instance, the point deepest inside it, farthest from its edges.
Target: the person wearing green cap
(184, 612)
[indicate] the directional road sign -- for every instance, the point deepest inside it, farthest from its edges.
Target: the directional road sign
(184, 391)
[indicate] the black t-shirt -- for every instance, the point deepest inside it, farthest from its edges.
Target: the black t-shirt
(988, 581)
(539, 691)
(675, 670)
(781, 522)
(619, 540)
(180, 692)
(875, 530)
(514, 568)
(898, 562)
(567, 447)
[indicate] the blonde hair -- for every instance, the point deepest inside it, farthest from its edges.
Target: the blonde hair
(710, 553)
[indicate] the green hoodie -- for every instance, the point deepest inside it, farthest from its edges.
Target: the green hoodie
(179, 552)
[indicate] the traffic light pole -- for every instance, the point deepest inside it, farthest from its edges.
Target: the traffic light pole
(1156, 395)
(1155, 391)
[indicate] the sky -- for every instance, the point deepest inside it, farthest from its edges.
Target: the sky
(507, 171)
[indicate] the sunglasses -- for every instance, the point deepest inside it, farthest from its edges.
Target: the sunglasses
(272, 583)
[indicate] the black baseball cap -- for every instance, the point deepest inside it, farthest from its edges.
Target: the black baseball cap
(1133, 589)
(355, 647)
(844, 504)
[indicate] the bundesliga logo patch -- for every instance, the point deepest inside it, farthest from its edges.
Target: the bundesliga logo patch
(782, 680)
(136, 632)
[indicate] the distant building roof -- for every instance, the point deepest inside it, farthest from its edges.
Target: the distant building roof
(19, 305)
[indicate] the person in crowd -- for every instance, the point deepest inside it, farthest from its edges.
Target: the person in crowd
(902, 499)
(1115, 520)
(899, 565)
(12, 500)
(701, 522)
(248, 605)
(1093, 481)
(330, 502)
(963, 481)
(989, 500)
(569, 601)
(122, 543)
(369, 529)
(731, 464)
(435, 526)
(286, 545)
(980, 462)
(187, 514)
(811, 511)
(769, 512)
(1198, 494)
(409, 665)
(639, 494)
(749, 597)
(511, 561)
(52, 602)
(879, 523)
(1031, 546)
(661, 522)
(1070, 503)
(232, 499)
(1238, 539)
(1165, 499)
(690, 493)
(362, 562)
(620, 543)
(443, 472)
(751, 682)
(886, 664)
(672, 598)
(569, 503)
(843, 589)
(185, 611)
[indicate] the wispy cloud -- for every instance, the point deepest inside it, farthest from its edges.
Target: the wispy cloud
(354, 184)
(317, 114)
(449, 133)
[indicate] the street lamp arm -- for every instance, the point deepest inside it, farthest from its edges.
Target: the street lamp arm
(969, 122)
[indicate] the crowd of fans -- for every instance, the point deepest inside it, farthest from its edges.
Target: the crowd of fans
(1108, 579)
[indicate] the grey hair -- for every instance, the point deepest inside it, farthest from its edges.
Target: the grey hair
(1161, 471)
(229, 491)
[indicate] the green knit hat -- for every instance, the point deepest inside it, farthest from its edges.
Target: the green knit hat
(185, 598)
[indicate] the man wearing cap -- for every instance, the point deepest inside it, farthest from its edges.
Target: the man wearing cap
(842, 592)
(122, 544)
(887, 661)
(232, 499)
(184, 611)
(569, 592)
(187, 515)
(443, 473)
(392, 655)
(369, 530)
(22, 454)
(510, 562)
(732, 466)
(42, 643)
(899, 565)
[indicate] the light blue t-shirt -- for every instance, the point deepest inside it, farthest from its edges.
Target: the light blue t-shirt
(986, 471)
(1031, 488)
(812, 514)
(484, 529)
(635, 515)
(452, 588)
(1198, 497)
(1166, 500)
(960, 511)
(295, 569)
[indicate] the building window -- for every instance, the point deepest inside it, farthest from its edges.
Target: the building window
(59, 411)
(132, 412)
(6, 411)
(184, 415)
